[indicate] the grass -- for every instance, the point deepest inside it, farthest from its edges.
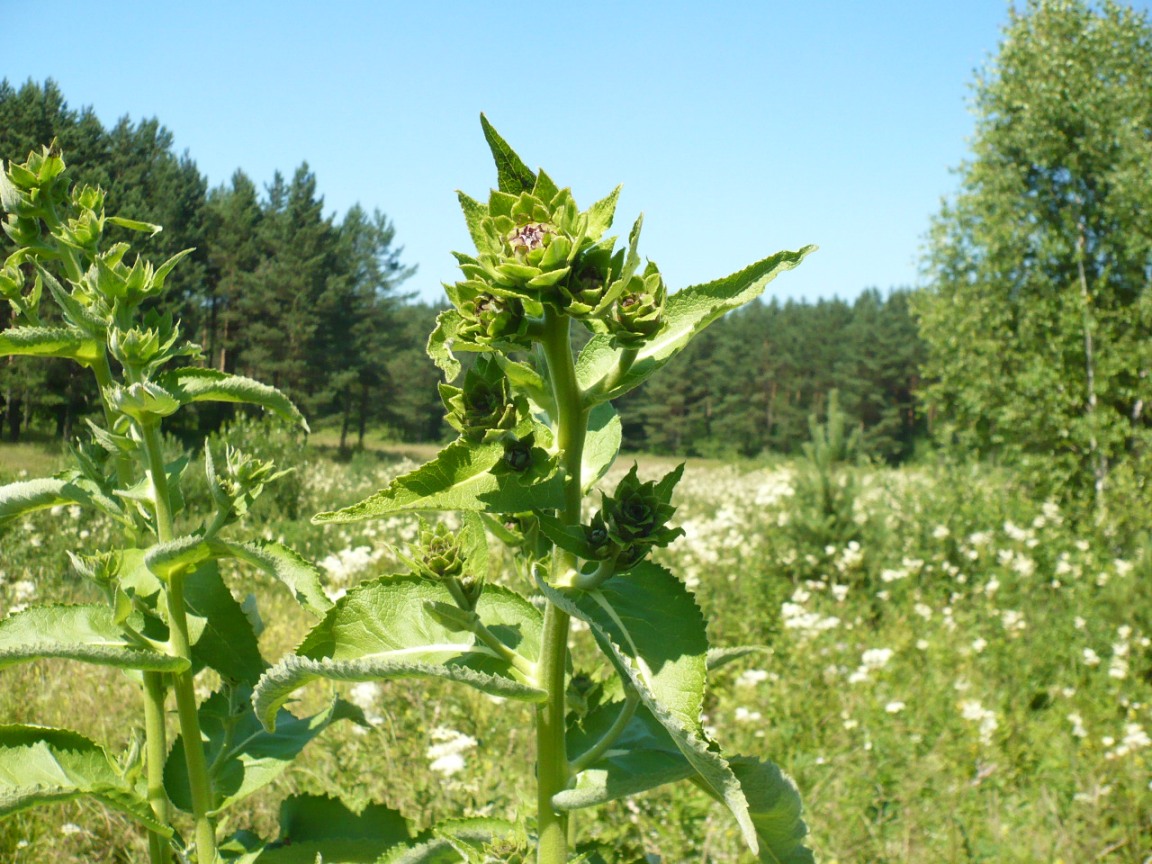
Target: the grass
(971, 681)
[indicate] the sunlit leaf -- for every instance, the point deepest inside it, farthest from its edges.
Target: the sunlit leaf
(385, 629)
(195, 384)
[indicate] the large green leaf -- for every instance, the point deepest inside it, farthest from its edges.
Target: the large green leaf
(26, 496)
(686, 313)
(39, 765)
(49, 342)
(461, 477)
(301, 576)
(226, 642)
(648, 623)
(242, 755)
(775, 807)
(386, 629)
(318, 828)
(195, 384)
(643, 757)
(87, 633)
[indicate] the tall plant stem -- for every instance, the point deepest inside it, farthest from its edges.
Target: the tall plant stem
(155, 687)
(552, 756)
(180, 646)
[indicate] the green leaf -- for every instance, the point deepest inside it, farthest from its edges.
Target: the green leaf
(39, 765)
(718, 657)
(686, 313)
(513, 176)
(276, 559)
(601, 213)
(86, 633)
(385, 629)
(243, 756)
(643, 757)
(452, 842)
(194, 384)
(440, 343)
(602, 444)
(227, 642)
(776, 811)
(49, 342)
(134, 225)
(648, 623)
(459, 478)
(26, 496)
(474, 213)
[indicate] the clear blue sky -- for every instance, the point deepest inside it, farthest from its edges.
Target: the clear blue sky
(738, 128)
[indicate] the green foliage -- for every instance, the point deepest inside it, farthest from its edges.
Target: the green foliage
(1037, 315)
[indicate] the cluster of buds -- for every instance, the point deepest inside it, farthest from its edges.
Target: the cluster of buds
(632, 521)
(485, 409)
(536, 249)
(236, 488)
(441, 556)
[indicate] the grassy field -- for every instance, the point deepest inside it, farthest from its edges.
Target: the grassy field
(967, 679)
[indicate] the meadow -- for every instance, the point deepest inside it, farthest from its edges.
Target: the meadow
(950, 670)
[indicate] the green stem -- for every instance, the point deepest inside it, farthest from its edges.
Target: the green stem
(179, 645)
(627, 711)
(552, 757)
(156, 744)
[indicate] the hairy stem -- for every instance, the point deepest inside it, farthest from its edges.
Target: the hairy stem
(156, 751)
(180, 646)
(552, 758)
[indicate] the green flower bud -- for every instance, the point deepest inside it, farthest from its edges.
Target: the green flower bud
(639, 311)
(439, 555)
(638, 512)
(593, 284)
(485, 408)
(489, 319)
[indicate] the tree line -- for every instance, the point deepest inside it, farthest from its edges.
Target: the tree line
(283, 292)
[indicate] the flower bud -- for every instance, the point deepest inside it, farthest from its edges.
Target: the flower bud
(639, 311)
(638, 512)
(485, 408)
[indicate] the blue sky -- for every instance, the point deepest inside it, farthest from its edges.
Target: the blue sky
(738, 128)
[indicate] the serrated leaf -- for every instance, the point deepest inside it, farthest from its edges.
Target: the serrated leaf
(474, 213)
(227, 642)
(643, 757)
(242, 756)
(26, 496)
(686, 313)
(451, 842)
(602, 445)
(440, 343)
(648, 623)
(459, 478)
(86, 633)
(194, 384)
(513, 176)
(302, 577)
(601, 213)
(384, 629)
(49, 342)
(40, 765)
(776, 810)
(718, 657)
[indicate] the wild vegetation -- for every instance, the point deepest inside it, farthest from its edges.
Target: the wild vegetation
(913, 530)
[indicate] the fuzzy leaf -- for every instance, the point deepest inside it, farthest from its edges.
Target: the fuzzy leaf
(686, 313)
(718, 657)
(451, 843)
(643, 757)
(440, 343)
(776, 811)
(459, 478)
(86, 633)
(385, 629)
(227, 642)
(276, 559)
(49, 342)
(601, 213)
(602, 444)
(39, 765)
(648, 623)
(513, 176)
(242, 756)
(26, 496)
(194, 384)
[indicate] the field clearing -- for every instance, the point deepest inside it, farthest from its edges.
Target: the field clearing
(967, 679)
